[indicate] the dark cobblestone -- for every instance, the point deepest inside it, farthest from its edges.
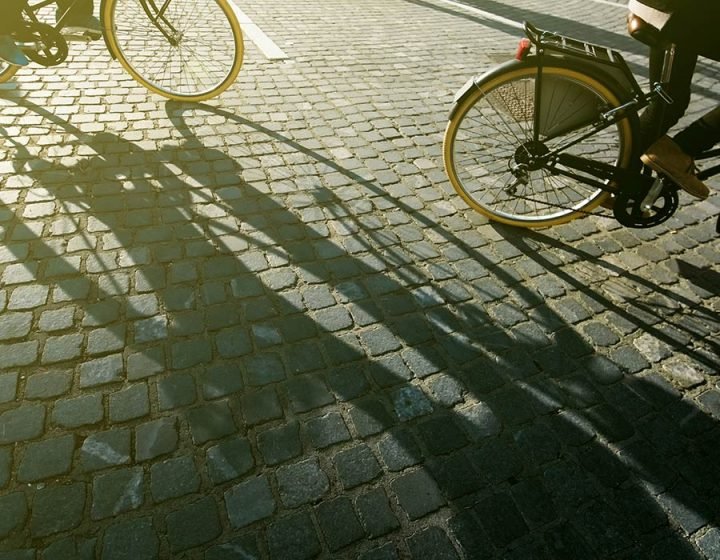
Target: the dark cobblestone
(280, 444)
(78, 411)
(129, 404)
(133, 539)
(293, 538)
(193, 525)
(442, 434)
(356, 466)
(417, 493)
(370, 417)
(48, 385)
(308, 392)
(339, 524)
(302, 483)
(327, 430)
(431, 543)
(229, 459)
(47, 458)
(249, 501)
(211, 421)
(117, 491)
(156, 438)
(221, 381)
(23, 423)
(13, 512)
(57, 509)
(105, 449)
(173, 478)
(176, 391)
(375, 513)
(261, 406)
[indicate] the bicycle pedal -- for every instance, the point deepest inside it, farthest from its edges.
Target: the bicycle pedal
(80, 36)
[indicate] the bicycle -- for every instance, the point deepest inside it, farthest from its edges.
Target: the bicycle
(548, 136)
(185, 50)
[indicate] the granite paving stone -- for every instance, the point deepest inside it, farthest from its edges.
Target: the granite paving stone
(302, 483)
(249, 501)
(105, 449)
(131, 539)
(117, 491)
(278, 445)
(193, 525)
(173, 478)
(46, 458)
(57, 508)
(375, 513)
(293, 538)
(327, 430)
(13, 512)
(339, 523)
(211, 421)
(417, 493)
(229, 459)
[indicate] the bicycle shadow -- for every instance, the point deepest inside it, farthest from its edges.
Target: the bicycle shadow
(522, 446)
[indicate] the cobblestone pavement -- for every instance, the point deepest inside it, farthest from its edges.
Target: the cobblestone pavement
(265, 327)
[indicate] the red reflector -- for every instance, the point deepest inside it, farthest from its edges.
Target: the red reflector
(523, 48)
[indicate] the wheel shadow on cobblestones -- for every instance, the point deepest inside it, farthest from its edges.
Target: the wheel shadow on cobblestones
(671, 317)
(364, 414)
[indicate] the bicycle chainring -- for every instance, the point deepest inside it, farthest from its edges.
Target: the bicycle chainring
(628, 212)
(47, 46)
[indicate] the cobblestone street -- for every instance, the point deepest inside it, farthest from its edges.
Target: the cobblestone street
(266, 327)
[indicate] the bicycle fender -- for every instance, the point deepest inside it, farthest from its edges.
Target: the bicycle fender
(474, 82)
(533, 61)
(102, 25)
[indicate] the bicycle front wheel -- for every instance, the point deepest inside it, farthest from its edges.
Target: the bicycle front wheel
(7, 71)
(185, 50)
(492, 130)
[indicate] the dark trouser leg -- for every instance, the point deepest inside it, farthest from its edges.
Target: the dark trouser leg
(80, 11)
(701, 135)
(10, 16)
(659, 117)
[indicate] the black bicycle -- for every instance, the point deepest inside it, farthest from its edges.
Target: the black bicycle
(186, 50)
(549, 136)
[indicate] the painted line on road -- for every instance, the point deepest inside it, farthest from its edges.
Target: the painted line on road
(484, 14)
(507, 21)
(266, 45)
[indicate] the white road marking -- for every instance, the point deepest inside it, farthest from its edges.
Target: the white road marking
(510, 22)
(266, 45)
(484, 14)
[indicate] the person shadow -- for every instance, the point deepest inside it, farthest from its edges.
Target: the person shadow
(435, 403)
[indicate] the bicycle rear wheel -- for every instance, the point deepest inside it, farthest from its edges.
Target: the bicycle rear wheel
(493, 127)
(186, 50)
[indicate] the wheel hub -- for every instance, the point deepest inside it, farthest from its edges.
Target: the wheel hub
(531, 154)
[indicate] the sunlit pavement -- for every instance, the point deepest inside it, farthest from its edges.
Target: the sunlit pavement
(266, 327)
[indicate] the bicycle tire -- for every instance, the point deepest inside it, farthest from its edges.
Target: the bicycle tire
(204, 60)
(477, 156)
(7, 71)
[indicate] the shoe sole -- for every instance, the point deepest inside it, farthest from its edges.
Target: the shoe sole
(655, 166)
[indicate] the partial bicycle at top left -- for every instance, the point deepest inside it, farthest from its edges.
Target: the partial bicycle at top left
(185, 50)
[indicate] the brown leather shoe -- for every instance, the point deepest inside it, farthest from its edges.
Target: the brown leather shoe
(666, 157)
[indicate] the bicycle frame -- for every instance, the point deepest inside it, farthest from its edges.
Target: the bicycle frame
(155, 14)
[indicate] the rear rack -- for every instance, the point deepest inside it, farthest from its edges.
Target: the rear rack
(605, 58)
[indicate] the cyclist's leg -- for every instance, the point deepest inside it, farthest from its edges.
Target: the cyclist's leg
(701, 135)
(659, 117)
(78, 17)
